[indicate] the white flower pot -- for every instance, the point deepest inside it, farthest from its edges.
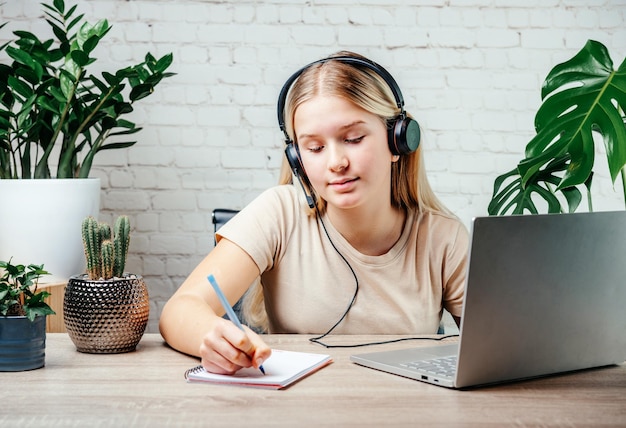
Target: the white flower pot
(40, 222)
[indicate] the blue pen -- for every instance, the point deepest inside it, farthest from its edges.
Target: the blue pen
(229, 310)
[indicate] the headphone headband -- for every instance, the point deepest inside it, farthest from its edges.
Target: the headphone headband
(352, 60)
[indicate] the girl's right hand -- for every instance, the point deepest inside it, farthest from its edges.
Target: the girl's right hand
(225, 349)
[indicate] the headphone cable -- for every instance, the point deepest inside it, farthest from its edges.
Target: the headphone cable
(318, 339)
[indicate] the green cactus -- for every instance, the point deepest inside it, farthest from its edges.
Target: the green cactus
(92, 244)
(121, 241)
(105, 231)
(106, 257)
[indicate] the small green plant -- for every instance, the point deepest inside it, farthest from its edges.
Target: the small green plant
(18, 291)
(105, 252)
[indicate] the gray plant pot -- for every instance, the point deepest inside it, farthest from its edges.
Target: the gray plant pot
(106, 317)
(22, 343)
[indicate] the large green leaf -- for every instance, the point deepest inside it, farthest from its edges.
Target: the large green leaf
(511, 196)
(581, 96)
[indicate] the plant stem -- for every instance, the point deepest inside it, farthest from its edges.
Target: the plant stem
(93, 149)
(623, 173)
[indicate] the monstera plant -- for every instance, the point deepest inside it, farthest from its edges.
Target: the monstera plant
(582, 98)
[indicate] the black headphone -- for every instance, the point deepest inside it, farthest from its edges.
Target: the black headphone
(403, 132)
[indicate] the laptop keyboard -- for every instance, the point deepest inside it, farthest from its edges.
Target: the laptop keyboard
(444, 366)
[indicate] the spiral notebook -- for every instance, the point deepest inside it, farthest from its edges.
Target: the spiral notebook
(282, 369)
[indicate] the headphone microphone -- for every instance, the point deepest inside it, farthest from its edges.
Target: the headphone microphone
(403, 134)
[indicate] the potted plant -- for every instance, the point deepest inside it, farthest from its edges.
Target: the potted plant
(23, 312)
(55, 117)
(582, 97)
(106, 310)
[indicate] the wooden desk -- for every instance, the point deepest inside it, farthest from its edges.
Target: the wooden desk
(147, 388)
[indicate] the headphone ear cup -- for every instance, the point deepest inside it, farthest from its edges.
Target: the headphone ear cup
(404, 136)
(293, 157)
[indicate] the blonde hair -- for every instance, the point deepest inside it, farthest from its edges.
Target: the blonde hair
(410, 189)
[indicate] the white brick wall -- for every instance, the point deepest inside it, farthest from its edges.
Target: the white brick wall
(470, 71)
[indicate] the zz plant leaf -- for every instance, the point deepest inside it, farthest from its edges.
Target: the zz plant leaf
(581, 97)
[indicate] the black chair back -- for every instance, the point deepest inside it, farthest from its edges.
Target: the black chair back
(220, 217)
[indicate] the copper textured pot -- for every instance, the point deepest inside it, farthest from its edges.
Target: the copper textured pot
(106, 316)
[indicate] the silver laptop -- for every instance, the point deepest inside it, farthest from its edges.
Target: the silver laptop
(544, 294)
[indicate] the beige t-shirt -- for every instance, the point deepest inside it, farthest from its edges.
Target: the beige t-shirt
(307, 285)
